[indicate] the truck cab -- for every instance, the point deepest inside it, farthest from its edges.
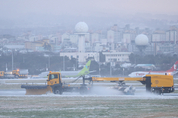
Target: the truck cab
(54, 81)
(54, 78)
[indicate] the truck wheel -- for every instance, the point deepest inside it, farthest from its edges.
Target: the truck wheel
(158, 92)
(60, 92)
(83, 90)
(57, 91)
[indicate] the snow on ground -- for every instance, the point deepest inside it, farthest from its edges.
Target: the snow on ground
(97, 92)
(139, 94)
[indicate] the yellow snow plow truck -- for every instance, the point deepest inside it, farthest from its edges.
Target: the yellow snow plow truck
(54, 85)
(15, 74)
(154, 83)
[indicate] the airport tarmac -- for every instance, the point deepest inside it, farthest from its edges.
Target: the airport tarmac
(140, 89)
(99, 92)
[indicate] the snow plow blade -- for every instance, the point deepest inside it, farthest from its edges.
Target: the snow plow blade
(37, 90)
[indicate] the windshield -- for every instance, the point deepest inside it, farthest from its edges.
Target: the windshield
(53, 76)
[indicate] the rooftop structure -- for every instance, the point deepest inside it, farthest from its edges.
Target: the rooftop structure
(81, 28)
(141, 40)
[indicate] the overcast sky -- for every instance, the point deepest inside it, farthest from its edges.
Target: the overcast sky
(18, 8)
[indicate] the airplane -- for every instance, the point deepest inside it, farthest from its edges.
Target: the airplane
(79, 73)
(171, 71)
(126, 65)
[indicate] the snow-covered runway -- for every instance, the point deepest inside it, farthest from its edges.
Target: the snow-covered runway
(139, 94)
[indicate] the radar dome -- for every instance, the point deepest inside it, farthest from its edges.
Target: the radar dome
(141, 40)
(81, 27)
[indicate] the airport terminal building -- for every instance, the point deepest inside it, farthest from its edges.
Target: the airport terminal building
(109, 56)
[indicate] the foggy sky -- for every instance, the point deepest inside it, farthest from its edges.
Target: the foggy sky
(17, 8)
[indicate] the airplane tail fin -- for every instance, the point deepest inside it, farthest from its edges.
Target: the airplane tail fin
(85, 69)
(174, 67)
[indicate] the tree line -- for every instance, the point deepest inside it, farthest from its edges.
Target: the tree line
(36, 63)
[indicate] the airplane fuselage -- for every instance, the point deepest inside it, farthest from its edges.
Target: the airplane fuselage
(171, 71)
(143, 73)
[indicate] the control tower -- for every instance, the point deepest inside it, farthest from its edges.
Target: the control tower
(81, 29)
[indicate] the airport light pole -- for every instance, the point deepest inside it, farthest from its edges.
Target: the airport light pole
(12, 60)
(63, 63)
(76, 64)
(46, 67)
(99, 68)
(6, 67)
(99, 64)
(123, 71)
(110, 69)
(110, 65)
(49, 62)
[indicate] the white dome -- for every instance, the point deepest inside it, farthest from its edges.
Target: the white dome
(141, 39)
(81, 27)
